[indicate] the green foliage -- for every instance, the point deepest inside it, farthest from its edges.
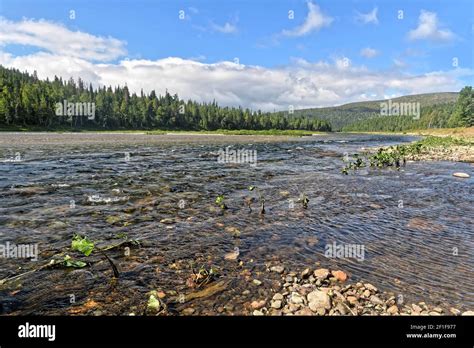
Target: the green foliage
(220, 202)
(82, 245)
(442, 113)
(395, 156)
(26, 101)
(69, 262)
(304, 200)
(463, 115)
(436, 109)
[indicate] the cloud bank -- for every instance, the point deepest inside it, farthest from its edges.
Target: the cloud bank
(301, 83)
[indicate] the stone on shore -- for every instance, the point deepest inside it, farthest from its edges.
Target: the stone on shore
(461, 175)
(393, 309)
(321, 273)
(258, 304)
(339, 275)
(319, 301)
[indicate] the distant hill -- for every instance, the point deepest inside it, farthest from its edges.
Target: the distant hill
(342, 116)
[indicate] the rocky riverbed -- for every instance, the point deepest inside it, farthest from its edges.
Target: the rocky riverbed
(325, 292)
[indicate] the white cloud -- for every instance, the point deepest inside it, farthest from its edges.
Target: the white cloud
(227, 28)
(428, 29)
(315, 20)
(370, 17)
(369, 52)
(198, 58)
(399, 63)
(57, 39)
(302, 84)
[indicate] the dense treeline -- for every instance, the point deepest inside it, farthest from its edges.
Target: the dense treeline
(345, 115)
(26, 101)
(446, 115)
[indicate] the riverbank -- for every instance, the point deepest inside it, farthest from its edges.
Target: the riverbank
(431, 148)
(276, 132)
(8, 139)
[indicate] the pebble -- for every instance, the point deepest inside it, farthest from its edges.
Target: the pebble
(339, 275)
(257, 313)
(321, 273)
(304, 311)
(318, 300)
(256, 282)
(416, 308)
(470, 313)
(305, 274)
(455, 311)
(352, 300)
(233, 255)
(276, 304)
(296, 298)
(376, 300)
(277, 297)
(258, 304)
(393, 309)
(188, 311)
(370, 287)
(167, 221)
(277, 269)
(461, 175)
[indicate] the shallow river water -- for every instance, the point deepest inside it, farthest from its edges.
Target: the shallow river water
(415, 224)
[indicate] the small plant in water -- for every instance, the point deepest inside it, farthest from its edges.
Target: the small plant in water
(220, 202)
(202, 276)
(260, 198)
(82, 245)
(304, 200)
(69, 262)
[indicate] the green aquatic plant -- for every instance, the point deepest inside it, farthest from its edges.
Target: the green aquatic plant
(304, 200)
(202, 276)
(220, 202)
(86, 246)
(82, 245)
(69, 262)
(358, 163)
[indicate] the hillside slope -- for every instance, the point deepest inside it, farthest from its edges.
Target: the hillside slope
(347, 114)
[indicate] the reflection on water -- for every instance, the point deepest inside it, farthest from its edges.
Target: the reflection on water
(415, 224)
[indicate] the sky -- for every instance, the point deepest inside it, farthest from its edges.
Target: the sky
(260, 54)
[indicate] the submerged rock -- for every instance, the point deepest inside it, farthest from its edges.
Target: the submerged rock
(233, 255)
(277, 269)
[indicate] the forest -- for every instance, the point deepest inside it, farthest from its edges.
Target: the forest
(27, 101)
(444, 115)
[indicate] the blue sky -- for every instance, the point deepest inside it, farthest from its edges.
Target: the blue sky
(363, 42)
